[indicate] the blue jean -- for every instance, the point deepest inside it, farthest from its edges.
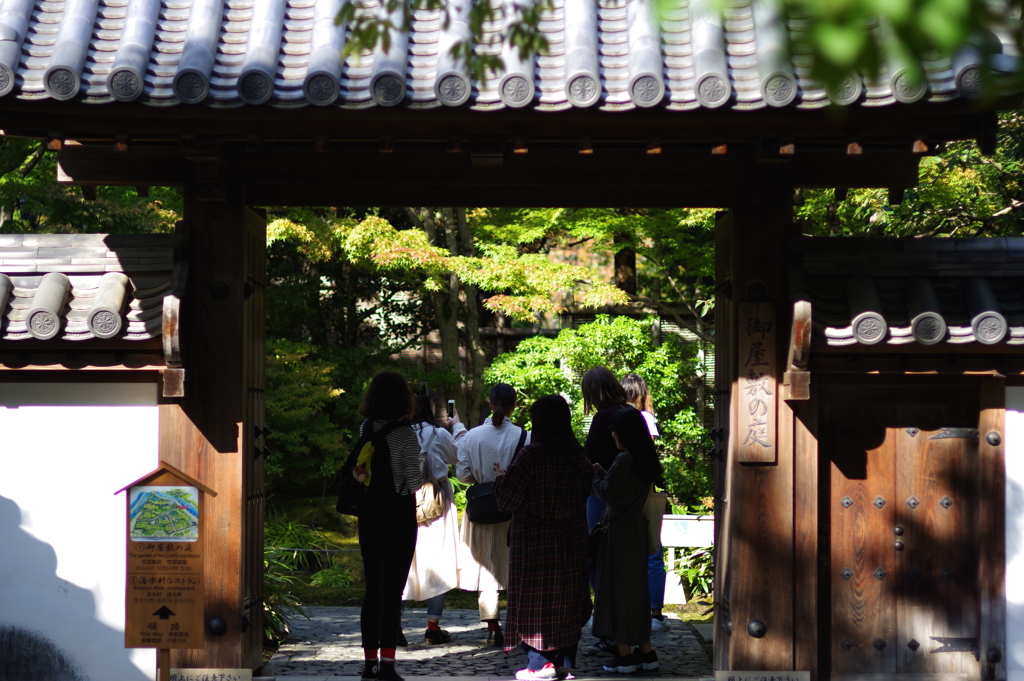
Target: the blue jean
(595, 509)
(562, 657)
(656, 578)
(435, 606)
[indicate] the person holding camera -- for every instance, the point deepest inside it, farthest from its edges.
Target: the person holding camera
(481, 451)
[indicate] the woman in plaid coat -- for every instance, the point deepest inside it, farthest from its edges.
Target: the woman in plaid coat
(546, 488)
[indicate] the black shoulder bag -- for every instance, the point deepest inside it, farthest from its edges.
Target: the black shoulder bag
(481, 507)
(351, 492)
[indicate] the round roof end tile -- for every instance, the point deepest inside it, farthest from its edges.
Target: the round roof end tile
(928, 328)
(970, 82)
(452, 89)
(255, 87)
(908, 87)
(847, 91)
(6, 79)
(516, 90)
(124, 83)
(778, 89)
(387, 89)
(583, 90)
(191, 86)
(713, 90)
(869, 328)
(61, 83)
(646, 90)
(321, 88)
(989, 327)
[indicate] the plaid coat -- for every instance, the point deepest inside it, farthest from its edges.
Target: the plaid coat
(548, 594)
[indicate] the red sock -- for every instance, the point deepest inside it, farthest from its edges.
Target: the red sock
(433, 625)
(492, 625)
(369, 653)
(387, 654)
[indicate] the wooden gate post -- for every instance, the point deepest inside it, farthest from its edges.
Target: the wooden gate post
(754, 572)
(214, 432)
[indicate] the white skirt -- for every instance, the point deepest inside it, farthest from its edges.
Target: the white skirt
(484, 563)
(435, 564)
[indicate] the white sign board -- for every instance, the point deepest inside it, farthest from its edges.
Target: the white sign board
(688, 530)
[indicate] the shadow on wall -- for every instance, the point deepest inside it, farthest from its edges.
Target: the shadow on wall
(29, 656)
(48, 627)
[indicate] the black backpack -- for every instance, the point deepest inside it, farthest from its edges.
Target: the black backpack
(351, 492)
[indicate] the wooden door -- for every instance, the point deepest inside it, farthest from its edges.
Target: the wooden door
(902, 551)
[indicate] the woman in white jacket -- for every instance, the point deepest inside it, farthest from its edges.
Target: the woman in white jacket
(485, 565)
(435, 564)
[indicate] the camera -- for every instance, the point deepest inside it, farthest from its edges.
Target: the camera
(451, 408)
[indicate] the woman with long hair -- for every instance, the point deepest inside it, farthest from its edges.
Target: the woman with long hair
(546, 488)
(621, 612)
(435, 564)
(387, 518)
(602, 394)
(485, 568)
(637, 395)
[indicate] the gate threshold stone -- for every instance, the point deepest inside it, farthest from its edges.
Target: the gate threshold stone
(327, 647)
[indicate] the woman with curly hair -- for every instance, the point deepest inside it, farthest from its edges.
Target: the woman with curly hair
(387, 518)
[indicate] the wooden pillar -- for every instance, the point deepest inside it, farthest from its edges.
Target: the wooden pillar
(755, 572)
(211, 433)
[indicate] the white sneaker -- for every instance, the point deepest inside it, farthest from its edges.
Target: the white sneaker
(659, 625)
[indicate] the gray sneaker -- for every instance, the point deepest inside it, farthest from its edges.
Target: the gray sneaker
(660, 625)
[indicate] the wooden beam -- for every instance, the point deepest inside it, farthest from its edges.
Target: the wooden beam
(990, 530)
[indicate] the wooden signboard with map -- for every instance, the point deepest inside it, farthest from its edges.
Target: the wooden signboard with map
(164, 586)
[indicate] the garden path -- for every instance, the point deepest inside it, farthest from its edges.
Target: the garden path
(326, 648)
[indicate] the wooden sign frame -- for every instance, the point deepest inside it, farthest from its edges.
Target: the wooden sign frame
(164, 589)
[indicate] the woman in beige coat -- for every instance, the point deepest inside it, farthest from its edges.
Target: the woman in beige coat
(485, 568)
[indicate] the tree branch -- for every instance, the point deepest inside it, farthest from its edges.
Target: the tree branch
(33, 160)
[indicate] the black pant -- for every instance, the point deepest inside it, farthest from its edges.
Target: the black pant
(387, 543)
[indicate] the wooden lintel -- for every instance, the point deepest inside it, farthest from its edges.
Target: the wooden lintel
(298, 174)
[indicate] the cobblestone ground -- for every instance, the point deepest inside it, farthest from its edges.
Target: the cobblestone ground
(327, 645)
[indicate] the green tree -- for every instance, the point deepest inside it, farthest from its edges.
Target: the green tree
(543, 366)
(961, 193)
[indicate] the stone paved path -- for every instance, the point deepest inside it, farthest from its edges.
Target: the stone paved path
(327, 645)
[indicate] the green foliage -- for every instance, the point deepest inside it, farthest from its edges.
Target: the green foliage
(296, 545)
(308, 448)
(961, 193)
(31, 199)
(334, 576)
(696, 571)
(279, 579)
(543, 366)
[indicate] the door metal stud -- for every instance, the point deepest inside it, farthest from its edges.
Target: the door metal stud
(945, 502)
(846, 573)
(912, 431)
(879, 502)
(846, 644)
(946, 575)
(846, 502)
(912, 502)
(913, 645)
(879, 644)
(879, 574)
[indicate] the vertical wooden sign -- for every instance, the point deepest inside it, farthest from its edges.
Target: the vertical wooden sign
(757, 374)
(164, 595)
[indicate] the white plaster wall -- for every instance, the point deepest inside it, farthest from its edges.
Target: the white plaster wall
(1015, 534)
(64, 450)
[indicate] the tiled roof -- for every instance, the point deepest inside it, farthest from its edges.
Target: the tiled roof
(605, 53)
(923, 291)
(82, 286)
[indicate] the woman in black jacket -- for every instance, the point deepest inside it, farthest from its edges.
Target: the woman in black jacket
(387, 518)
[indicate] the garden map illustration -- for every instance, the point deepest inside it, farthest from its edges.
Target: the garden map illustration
(163, 513)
